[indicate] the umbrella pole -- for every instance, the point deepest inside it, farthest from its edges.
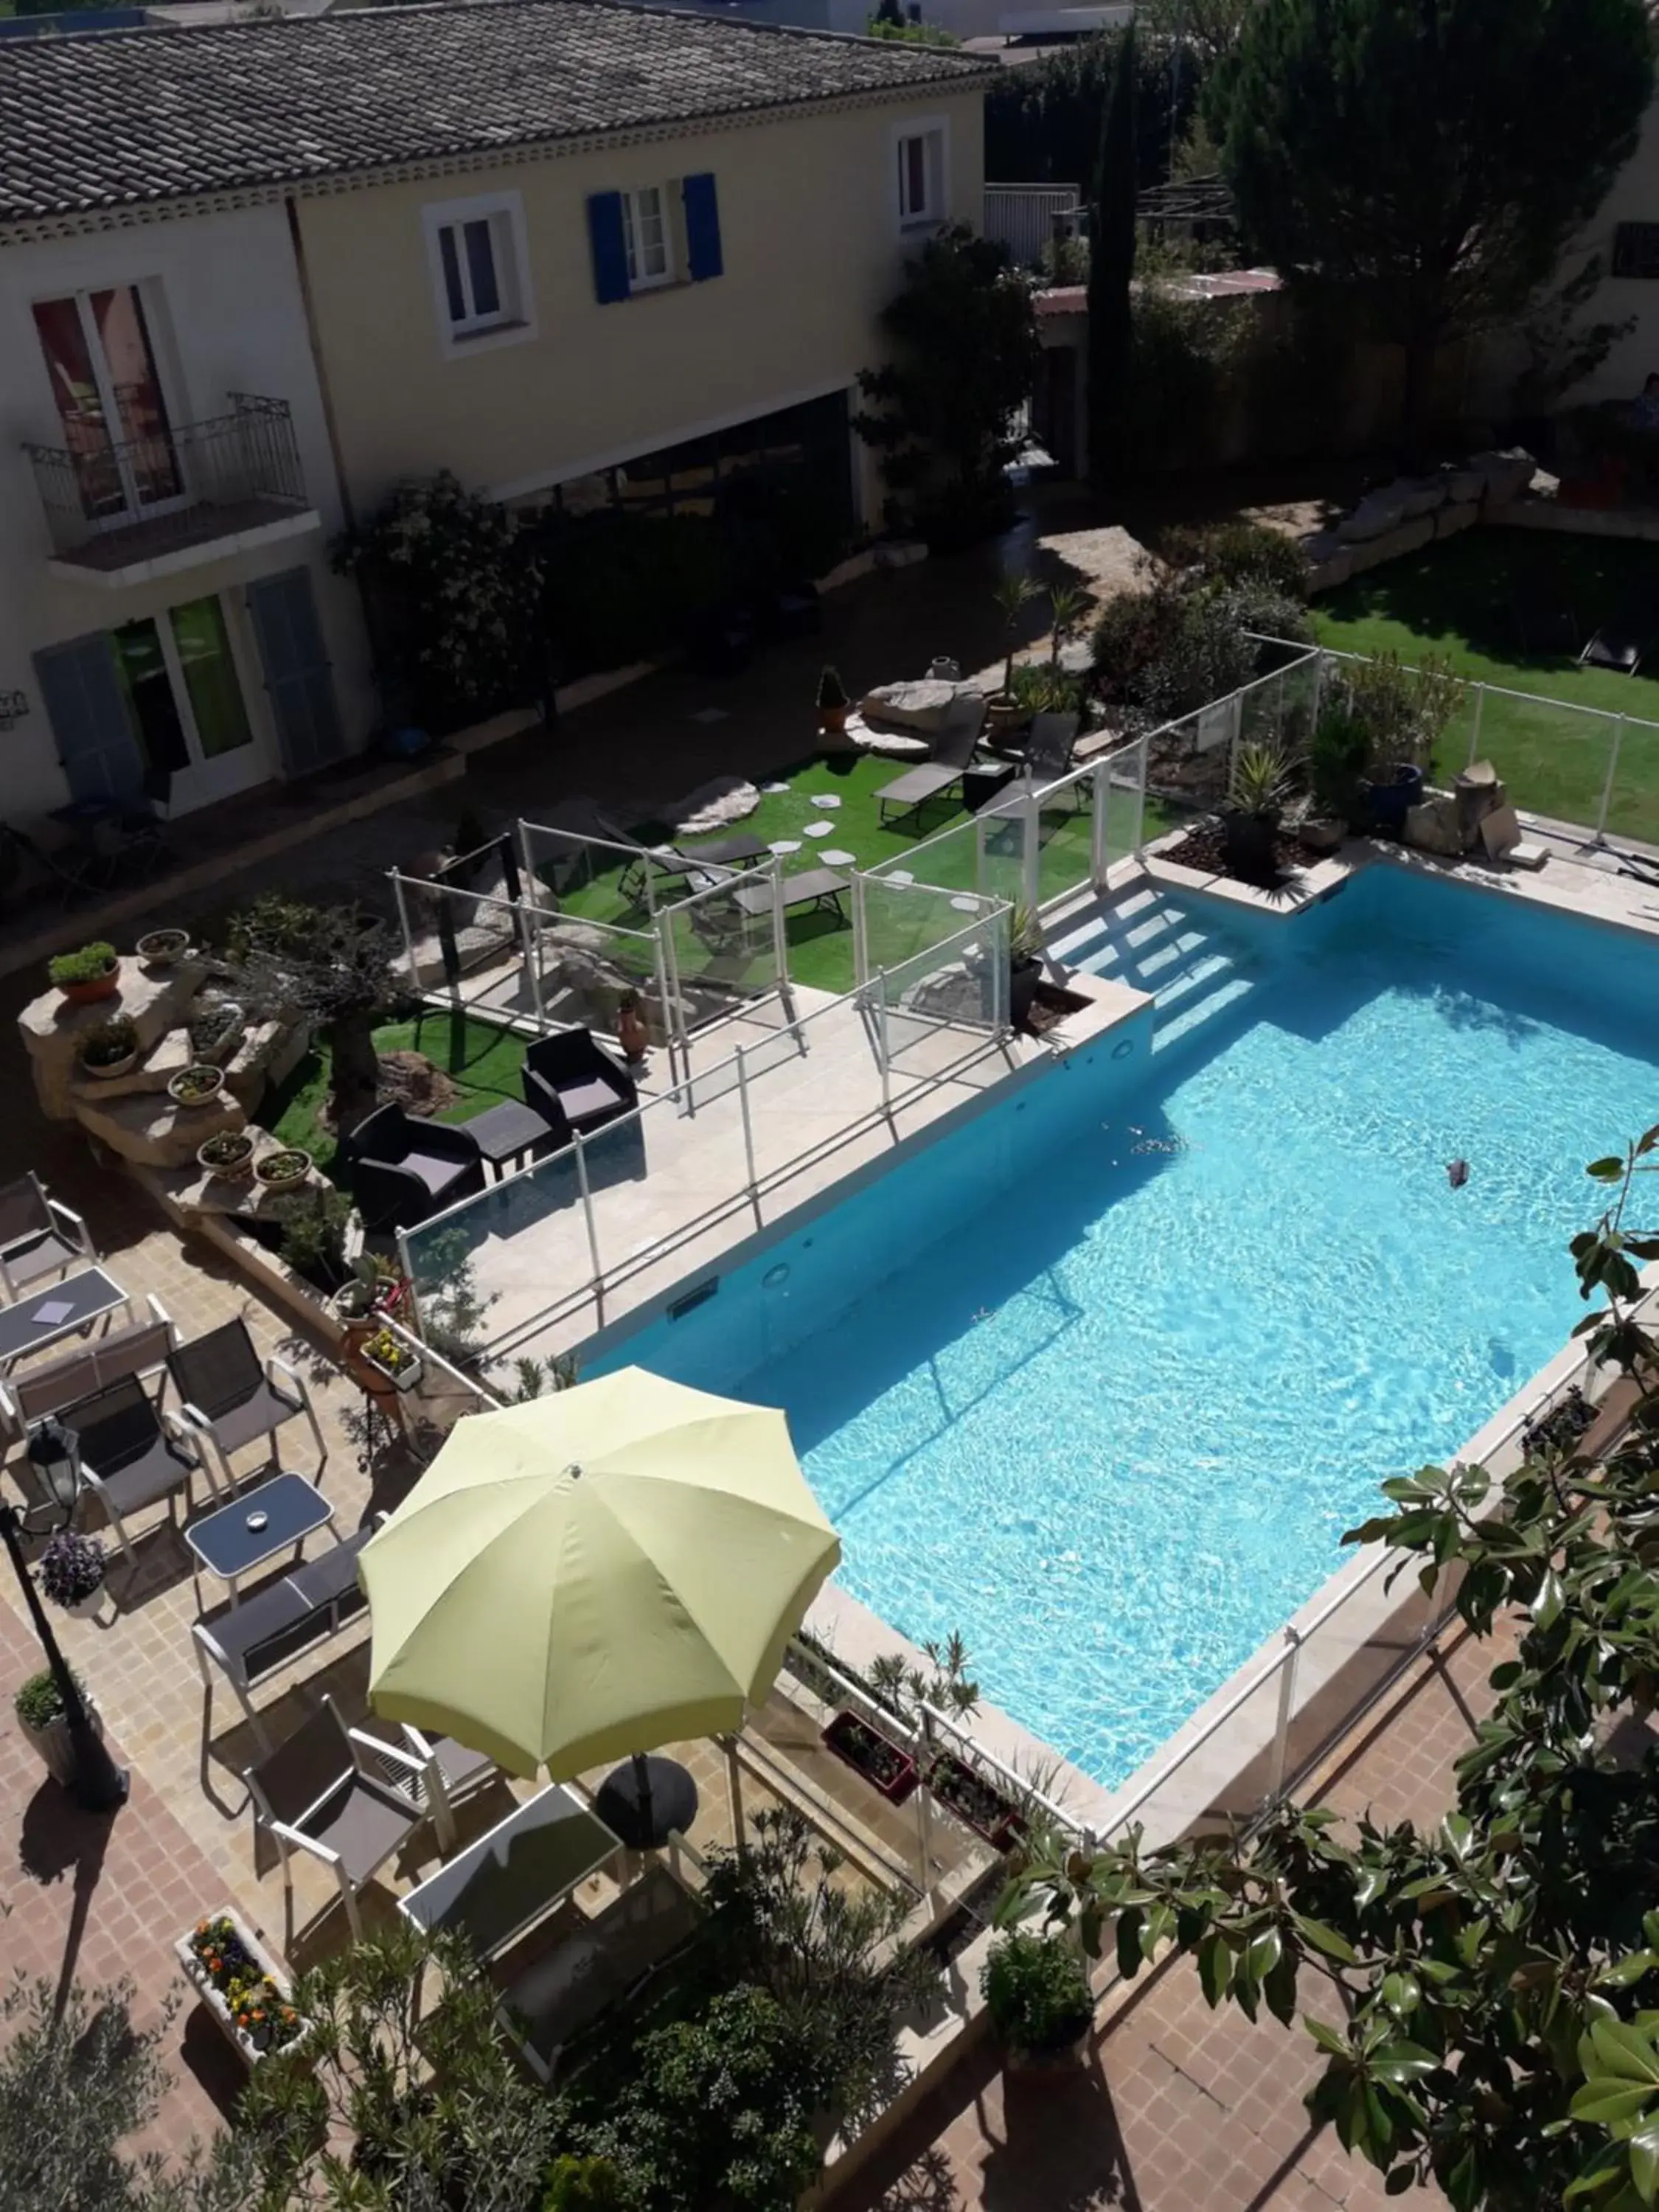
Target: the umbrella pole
(642, 1776)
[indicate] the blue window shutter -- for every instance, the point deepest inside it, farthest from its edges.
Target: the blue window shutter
(605, 229)
(297, 680)
(702, 226)
(87, 706)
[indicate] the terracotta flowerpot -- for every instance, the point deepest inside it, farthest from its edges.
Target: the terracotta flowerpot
(100, 986)
(832, 721)
(632, 1034)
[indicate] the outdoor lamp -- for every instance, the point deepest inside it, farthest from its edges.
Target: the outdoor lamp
(97, 1784)
(55, 1456)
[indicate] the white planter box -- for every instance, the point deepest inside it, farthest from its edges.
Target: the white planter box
(52, 1741)
(197, 1975)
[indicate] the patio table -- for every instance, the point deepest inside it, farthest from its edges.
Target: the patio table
(516, 1875)
(234, 1540)
(61, 1310)
(505, 1132)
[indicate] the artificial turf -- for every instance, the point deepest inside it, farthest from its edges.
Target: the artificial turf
(480, 1060)
(1463, 599)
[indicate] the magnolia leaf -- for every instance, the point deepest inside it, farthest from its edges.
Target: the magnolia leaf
(1607, 2100)
(1619, 2049)
(1325, 1939)
(1607, 1171)
(1401, 2062)
(1643, 2147)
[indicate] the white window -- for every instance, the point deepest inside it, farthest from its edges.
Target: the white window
(480, 271)
(919, 149)
(645, 231)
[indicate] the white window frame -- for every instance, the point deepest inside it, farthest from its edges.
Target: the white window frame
(515, 319)
(668, 196)
(935, 131)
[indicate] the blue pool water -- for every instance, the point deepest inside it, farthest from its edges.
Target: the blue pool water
(1101, 1378)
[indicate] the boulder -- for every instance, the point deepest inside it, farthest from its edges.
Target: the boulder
(149, 1129)
(1418, 494)
(1455, 516)
(1330, 561)
(1404, 537)
(1375, 516)
(1506, 474)
(711, 806)
(923, 706)
(1433, 826)
(1464, 486)
(51, 1029)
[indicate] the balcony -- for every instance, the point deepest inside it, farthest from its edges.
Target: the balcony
(191, 492)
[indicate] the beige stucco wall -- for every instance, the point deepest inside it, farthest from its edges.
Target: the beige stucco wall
(224, 306)
(812, 251)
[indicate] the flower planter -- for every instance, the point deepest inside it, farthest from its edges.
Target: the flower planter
(104, 1071)
(283, 1170)
(243, 1952)
(1045, 2065)
(239, 1167)
(876, 1757)
(404, 1377)
(975, 1803)
(233, 1028)
(190, 1090)
(53, 1745)
(163, 948)
(99, 987)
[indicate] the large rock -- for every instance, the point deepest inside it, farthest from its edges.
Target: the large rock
(1506, 473)
(51, 1029)
(711, 806)
(1456, 515)
(1433, 827)
(1418, 494)
(151, 1131)
(1404, 537)
(1376, 514)
(1330, 561)
(923, 706)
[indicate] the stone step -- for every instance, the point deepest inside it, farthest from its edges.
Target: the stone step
(153, 1071)
(51, 1029)
(148, 1128)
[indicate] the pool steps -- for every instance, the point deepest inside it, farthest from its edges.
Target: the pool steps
(1156, 946)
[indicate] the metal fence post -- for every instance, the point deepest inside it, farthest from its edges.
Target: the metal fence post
(526, 854)
(1286, 1707)
(780, 934)
(1479, 716)
(881, 1042)
(408, 1277)
(403, 924)
(1143, 756)
(531, 944)
(1032, 810)
(668, 1036)
(1607, 788)
(924, 1819)
(593, 1229)
(1100, 800)
(748, 1136)
(664, 925)
(860, 931)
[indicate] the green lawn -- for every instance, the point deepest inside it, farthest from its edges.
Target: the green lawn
(483, 1061)
(820, 946)
(1460, 599)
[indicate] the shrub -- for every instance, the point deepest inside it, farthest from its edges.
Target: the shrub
(1401, 712)
(78, 2077)
(38, 1703)
(313, 1226)
(84, 965)
(1238, 553)
(1040, 688)
(585, 2185)
(108, 1042)
(71, 1568)
(1037, 1990)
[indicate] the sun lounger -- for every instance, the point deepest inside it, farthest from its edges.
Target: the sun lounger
(674, 865)
(952, 756)
(1624, 643)
(811, 887)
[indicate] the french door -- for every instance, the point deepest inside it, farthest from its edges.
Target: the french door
(185, 698)
(107, 383)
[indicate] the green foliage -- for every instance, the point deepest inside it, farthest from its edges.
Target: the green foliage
(454, 588)
(1259, 783)
(1494, 1978)
(73, 2083)
(1239, 553)
(586, 2185)
(1043, 121)
(332, 963)
(1111, 273)
(84, 965)
(37, 1701)
(944, 1682)
(964, 337)
(1181, 642)
(1036, 1988)
(403, 2061)
(1434, 159)
(1039, 687)
(313, 1226)
(1401, 712)
(909, 35)
(107, 1042)
(1339, 754)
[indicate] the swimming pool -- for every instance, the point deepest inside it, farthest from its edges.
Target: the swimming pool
(1100, 1378)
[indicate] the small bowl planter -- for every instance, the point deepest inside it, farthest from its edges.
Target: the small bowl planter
(245, 1992)
(71, 1572)
(216, 1031)
(163, 948)
(230, 1154)
(196, 1086)
(109, 1048)
(986, 1810)
(873, 1755)
(40, 1718)
(87, 974)
(283, 1170)
(388, 1355)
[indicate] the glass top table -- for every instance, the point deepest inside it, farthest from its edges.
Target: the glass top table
(235, 1539)
(57, 1311)
(517, 1874)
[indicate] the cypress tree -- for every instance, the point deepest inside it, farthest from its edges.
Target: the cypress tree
(1111, 272)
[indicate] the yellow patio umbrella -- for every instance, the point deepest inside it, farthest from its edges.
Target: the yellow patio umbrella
(575, 1579)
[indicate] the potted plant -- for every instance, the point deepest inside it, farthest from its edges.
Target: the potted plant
(39, 1711)
(230, 1154)
(246, 1994)
(873, 1755)
(1336, 780)
(1036, 1990)
(631, 1032)
(110, 1048)
(216, 1030)
(284, 1170)
(1256, 792)
(198, 1084)
(372, 1285)
(1025, 964)
(71, 1572)
(163, 948)
(834, 705)
(389, 1355)
(988, 1811)
(1013, 594)
(89, 972)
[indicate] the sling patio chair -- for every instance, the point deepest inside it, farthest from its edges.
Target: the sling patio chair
(953, 753)
(140, 1347)
(39, 1236)
(229, 1397)
(131, 1457)
(352, 1800)
(673, 865)
(1048, 758)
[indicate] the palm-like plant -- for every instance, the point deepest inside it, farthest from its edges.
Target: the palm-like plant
(1068, 604)
(1259, 783)
(1013, 593)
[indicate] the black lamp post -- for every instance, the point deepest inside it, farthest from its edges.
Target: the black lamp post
(99, 1784)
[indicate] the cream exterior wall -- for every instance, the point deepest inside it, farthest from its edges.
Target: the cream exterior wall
(232, 320)
(811, 248)
(1634, 198)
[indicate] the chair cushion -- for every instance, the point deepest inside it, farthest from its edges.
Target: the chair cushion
(266, 1410)
(363, 1823)
(278, 1612)
(39, 1257)
(153, 1475)
(435, 1170)
(592, 1095)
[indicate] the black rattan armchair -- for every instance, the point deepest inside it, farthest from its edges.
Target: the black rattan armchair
(403, 1170)
(575, 1085)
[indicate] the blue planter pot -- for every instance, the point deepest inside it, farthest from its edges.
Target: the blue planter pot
(1392, 801)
